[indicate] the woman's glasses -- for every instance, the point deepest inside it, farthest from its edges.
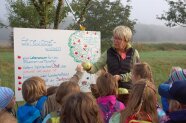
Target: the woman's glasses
(116, 39)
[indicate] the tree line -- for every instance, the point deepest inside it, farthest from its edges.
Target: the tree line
(95, 15)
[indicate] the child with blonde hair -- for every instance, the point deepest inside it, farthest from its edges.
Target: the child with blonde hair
(80, 108)
(141, 105)
(34, 93)
(107, 88)
(7, 102)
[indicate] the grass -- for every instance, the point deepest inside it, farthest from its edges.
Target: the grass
(160, 61)
(6, 68)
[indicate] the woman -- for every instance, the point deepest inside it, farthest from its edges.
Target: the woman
(119, 58)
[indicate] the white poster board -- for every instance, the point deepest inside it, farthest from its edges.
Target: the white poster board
(53, 55)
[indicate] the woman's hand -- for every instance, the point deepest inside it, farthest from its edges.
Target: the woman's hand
(117, 77)
(86, 65)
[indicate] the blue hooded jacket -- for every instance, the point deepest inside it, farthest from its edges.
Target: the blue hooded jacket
(177, 117)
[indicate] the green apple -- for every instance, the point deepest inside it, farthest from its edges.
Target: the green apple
(87, 65)
(122, 91)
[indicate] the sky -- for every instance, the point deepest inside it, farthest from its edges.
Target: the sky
(144, 11)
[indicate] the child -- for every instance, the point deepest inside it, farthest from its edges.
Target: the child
(7, 102)
(176, 91)
(175, 68)
(34, 93)
(107, 88)
(65, 88)
(142, 71)
(80, 108)
(139, 71)
(93, 87)
(176, 75)
(141, 105)
(174, 105)
(51, 90)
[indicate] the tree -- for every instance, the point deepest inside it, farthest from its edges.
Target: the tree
(104, 15)
(176, 15)
(3, 25)
(39, 13)
(35, 13)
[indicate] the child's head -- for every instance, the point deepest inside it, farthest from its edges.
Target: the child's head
(80, 108)
(141, 71)
(66, 88)
(7, 99)
(174, 105)
(33, 88)
(175, 68)
(106, 85)
(51, 90)
(142, 99)
(177, 76)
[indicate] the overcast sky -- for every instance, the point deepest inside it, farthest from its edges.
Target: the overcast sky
(144, 11)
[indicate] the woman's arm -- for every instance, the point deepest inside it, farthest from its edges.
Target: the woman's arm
(99, 64)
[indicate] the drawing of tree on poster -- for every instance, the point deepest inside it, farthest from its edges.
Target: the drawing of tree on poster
(83, 46)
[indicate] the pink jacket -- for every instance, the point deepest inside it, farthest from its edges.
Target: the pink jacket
(109, 105)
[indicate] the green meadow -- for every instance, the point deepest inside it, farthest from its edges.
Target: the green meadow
(160, 57)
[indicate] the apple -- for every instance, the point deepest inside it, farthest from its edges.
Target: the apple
(87, 65)
(122, 91)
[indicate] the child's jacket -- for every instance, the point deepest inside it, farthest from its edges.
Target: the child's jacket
(109, 105)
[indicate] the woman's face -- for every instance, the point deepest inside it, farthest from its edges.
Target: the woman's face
(119, 43)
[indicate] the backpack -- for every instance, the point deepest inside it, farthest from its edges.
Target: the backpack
(134, 119)
(108, 110)
(29, 113)
(139, 121)
(53, 117)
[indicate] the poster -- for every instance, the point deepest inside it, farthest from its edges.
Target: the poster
(53, 55)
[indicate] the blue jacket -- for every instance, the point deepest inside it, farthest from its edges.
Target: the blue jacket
(177, 117)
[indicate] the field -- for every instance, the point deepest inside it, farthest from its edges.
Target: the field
(160, 61)
(7, 68)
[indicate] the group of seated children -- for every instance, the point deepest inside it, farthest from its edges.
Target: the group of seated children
(67, 104)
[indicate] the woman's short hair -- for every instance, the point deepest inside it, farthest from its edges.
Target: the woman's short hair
(33, 88)
(106, 85)
(66, 88)
(123, 32)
